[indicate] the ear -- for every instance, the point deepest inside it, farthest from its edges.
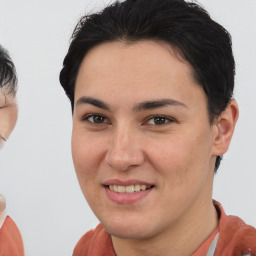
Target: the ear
(225, 126)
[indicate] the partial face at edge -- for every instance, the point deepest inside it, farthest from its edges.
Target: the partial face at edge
(8, 115)
(139, 117)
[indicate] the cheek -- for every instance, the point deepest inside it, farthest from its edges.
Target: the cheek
(88, 155)
(183, 173)
(85, 163)
(83, 156)
(182, 160)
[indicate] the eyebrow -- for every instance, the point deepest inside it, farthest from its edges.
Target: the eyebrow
(146, 105)
(92, 101)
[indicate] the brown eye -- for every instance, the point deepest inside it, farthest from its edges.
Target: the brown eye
(97, 119)
(159, 120)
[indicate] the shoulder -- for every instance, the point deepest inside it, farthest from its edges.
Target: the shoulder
(235, 236)
(94, 242)
(9, 223)
(10, 239)
(10, 229)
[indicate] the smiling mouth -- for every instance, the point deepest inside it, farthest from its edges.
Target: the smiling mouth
(128, 189)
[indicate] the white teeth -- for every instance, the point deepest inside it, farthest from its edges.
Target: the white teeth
(121, 189)
(137, 188)
(143, 187)
(128, 189)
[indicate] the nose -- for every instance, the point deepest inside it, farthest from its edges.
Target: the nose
(124, 151)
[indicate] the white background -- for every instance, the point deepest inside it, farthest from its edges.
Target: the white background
(36, 170)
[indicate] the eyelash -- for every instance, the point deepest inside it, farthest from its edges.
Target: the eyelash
(87, 117)
(164, 119)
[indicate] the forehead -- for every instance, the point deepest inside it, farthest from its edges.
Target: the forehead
(129, 68)
(142, 56)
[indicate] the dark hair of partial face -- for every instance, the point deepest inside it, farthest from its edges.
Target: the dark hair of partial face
(186, 27)
(8, 77)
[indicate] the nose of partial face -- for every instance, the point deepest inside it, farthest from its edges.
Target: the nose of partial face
(124, 152)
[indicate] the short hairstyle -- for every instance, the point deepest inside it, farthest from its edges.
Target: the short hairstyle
(185, 26)
(8, 77)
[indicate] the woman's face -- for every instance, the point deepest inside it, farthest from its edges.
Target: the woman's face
(8, 115)
(142, 145)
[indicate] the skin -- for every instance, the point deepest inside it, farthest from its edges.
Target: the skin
(177, 156)
(8, 118)
(2, 210)
(8, 115)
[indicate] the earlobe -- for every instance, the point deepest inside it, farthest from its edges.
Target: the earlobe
(225, 126)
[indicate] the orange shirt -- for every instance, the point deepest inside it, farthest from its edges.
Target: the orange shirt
(10, 239)
(203, 249)
(235, 237)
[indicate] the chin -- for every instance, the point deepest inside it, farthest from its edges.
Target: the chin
(129, 229)
(128, 233)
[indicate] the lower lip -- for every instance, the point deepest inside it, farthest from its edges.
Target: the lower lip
(126, 198)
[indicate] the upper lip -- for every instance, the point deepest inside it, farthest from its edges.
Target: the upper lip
(126, 182)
